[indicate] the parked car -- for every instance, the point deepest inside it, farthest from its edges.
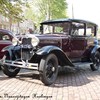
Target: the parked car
(5, 40)
(62, 42)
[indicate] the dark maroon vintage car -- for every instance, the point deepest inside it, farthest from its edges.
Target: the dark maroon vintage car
(62, 42)
(5, 40)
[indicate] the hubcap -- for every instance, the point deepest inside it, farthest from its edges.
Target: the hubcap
(50, 69)
(53, 69)
(12, 68)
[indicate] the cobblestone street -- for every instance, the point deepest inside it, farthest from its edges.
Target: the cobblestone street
(81, 85)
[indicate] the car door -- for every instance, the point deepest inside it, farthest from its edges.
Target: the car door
(78, 46)
(5, 40)
(77, 40)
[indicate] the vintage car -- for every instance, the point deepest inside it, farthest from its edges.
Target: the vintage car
(62, 42)
(5, 40)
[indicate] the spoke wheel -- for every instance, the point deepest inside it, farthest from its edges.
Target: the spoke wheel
(10, 71)
(48, 69)
(96, 61)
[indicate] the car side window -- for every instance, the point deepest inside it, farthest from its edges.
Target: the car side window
(56, 28)
(90, 30)
(77, 29)
(4, 36)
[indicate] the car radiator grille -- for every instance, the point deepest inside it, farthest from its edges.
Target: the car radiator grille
(26, 41)
(25, 55)
(26, 48)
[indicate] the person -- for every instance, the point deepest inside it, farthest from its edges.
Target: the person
(30, 31)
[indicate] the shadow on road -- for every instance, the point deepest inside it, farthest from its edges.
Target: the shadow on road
(66, 77)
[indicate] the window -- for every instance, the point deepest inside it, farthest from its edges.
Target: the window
(81, 32)
(77, 29)
(56, 28)
(89, 30)
(4, 36)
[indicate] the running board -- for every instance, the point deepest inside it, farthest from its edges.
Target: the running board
(78, 66)
(82, 64)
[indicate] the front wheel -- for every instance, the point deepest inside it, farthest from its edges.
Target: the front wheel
(10, 71)
(48, 69)
(96, 61)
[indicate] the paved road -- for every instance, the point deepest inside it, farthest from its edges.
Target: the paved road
(81, 85)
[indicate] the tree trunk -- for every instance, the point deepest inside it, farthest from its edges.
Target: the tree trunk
(10, 23)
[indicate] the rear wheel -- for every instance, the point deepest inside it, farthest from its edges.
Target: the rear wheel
(48, 69)
(10, 71)
(96, 61)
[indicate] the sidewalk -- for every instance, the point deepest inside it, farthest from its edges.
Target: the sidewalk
(81, 85)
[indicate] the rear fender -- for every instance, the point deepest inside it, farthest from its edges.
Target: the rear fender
(62, 58)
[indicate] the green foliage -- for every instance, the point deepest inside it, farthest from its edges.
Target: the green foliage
(12, 10)
(59, 9)
(41, 10)
(30, 14)
(37, 10)
(52, 9)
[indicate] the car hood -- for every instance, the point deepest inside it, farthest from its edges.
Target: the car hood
(50, 36)
(51, 39)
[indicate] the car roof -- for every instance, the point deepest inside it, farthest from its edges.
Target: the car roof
(6, 31)
(68, 20)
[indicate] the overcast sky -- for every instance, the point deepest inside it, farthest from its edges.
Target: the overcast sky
(85, 9)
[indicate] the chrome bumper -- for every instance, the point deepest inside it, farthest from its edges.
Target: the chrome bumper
(20, 64)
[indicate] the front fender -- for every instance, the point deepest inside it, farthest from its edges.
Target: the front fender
(10, 49)
(7, 48)
(46, 50)
(62, 58)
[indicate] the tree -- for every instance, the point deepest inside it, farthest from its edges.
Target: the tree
(41, 10)
(52, 9)
(12, 9)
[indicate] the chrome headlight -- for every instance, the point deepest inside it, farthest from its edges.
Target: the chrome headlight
(14, 41)
(35, 41)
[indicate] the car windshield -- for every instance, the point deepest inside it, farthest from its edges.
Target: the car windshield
(56, 28)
